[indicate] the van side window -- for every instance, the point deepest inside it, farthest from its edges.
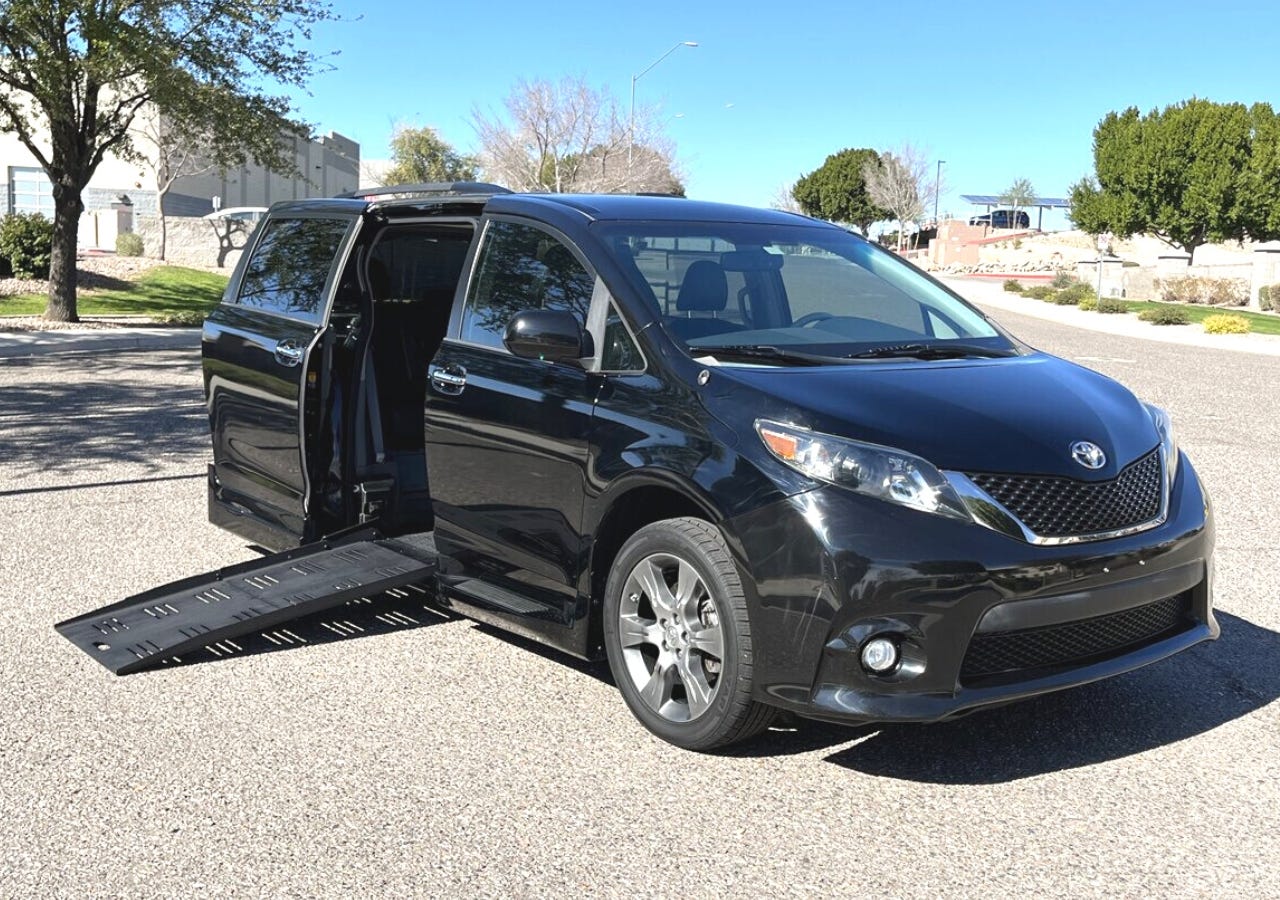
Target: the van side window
(290, 267)
(521, 267)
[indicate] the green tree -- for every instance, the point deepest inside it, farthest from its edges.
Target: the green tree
(420, 155)
(1259, 195)
(837, 191)
(74, 74)
(1019, 195)
(1191, 173)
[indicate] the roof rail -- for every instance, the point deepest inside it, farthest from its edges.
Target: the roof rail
(443, 187)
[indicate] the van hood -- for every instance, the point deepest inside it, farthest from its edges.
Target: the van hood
(1019, 414)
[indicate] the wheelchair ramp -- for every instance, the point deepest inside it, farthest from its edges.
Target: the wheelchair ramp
(148, 628)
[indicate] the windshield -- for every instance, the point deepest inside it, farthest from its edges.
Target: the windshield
(781, 291)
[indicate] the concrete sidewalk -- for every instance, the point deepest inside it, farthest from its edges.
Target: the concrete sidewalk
(17, 344)
(996, 299)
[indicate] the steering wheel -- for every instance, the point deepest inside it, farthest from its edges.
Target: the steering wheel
(812, 319)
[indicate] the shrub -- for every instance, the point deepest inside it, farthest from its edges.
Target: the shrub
(1226, 323)
(1088, 304)
(1017, 243)
(1112, 305)
(182, 318)
(1182, 289)
(1211, 291)
(1073, 293)
(1013, 286)
(1226, 291)
(26, 241)
(1063, 280)
(1165, 315)
(128, 244)
(1268, 295)
(1039, 292)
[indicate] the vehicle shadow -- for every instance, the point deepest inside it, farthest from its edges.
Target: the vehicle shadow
(1178, 698)
(105, 409)
(400, 609)
(1181, 697)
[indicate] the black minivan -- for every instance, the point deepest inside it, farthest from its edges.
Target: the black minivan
(752, 459)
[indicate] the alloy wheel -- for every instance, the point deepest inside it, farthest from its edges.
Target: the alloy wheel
(671, 636)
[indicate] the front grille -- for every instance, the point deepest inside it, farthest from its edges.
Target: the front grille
(1063, 507)
(1076, 642)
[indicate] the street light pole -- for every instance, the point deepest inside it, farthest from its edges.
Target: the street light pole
(631, 119)
(937, 188)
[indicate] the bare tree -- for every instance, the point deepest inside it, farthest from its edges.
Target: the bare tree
(900, 181)
(172, 151)
(373, 172)
(566, 136)
(784, 198)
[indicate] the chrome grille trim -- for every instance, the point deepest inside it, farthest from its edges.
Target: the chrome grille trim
(990, 513)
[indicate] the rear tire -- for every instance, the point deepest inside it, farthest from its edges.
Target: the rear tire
(678, 638)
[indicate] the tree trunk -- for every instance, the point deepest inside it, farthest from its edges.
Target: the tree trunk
(62, 261)
(164, 228)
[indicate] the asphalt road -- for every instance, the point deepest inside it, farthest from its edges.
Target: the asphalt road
(433, 756)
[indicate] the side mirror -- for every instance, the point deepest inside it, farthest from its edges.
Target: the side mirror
(550, 334)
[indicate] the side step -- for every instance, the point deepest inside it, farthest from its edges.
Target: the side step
(186, 615)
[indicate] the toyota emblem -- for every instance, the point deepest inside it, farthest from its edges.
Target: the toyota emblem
(1088, 454)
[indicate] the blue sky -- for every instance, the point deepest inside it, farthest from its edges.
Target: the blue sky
(998, 90)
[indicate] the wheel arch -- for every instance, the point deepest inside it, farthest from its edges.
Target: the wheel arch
(629, 505)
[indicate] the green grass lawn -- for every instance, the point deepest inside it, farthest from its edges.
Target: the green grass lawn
(1259, 323)
(166, 293)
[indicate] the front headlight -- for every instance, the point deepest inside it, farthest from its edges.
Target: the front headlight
(1168, 445)
(880, 472)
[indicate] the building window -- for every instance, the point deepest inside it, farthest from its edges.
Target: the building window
(30, 191)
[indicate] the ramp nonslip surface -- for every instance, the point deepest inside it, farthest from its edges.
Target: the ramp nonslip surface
(153, 626)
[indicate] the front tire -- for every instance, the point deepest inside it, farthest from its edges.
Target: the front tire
(678, 638)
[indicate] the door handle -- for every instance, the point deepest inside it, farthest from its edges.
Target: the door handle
(288, 352)
(448, 379)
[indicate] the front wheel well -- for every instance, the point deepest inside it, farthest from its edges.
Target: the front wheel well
(628, 514)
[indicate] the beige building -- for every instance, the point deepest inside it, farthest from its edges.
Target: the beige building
(121, 190)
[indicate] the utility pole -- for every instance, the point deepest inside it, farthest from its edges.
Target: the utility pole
(937, 188)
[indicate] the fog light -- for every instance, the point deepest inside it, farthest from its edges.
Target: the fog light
(879, 655)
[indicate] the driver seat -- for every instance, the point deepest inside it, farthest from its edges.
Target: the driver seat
(704, 289)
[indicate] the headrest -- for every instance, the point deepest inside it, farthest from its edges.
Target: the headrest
(704, 288)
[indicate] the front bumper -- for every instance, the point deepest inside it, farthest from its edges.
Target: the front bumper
(827, 569)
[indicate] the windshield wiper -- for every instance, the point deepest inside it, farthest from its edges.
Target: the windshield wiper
(768, 353)
(930, 351)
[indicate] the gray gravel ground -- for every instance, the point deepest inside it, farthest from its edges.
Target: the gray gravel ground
(441, 758)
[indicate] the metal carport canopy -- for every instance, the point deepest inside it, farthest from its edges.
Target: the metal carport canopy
(994, 200)
(1041, 203)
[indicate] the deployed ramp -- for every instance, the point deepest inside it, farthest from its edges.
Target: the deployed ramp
(187, 615)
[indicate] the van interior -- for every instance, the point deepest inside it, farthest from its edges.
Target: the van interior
(390, 314)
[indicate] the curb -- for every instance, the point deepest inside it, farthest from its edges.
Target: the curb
(21, 344)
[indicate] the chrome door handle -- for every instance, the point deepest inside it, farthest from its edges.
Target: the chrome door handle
(288, 352)
(449, 379)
